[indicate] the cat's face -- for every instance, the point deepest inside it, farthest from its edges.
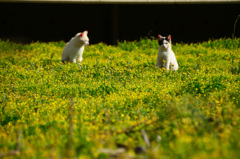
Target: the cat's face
(83, 38)
(164, 42)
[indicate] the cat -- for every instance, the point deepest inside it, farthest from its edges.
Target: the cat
(73, 50)
(166, 57)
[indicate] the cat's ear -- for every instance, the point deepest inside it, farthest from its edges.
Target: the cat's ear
(85, 32)
(169, 37)
(159, 37)
(81, 34)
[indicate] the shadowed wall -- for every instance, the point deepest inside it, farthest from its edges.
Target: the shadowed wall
(21, 22)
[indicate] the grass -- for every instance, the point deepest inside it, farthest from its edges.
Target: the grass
(104, 106)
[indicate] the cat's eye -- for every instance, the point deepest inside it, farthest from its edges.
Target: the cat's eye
(86, 42)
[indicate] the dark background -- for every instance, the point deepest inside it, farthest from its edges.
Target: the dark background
(26, 22)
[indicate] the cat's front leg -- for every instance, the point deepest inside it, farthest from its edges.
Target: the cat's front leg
(158, 64)
(80, 59)
(167, 64)
(73, 60)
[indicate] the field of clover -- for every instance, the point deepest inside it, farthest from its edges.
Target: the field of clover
(116, 104)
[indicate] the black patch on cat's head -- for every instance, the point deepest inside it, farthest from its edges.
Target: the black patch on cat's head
(160, 41)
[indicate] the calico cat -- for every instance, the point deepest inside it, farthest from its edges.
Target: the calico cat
(166, 57)
(73, 50)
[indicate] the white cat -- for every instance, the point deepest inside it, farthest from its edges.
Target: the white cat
(73, 50)
(166, 57)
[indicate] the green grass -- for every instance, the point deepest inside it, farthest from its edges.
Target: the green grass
(54, 110)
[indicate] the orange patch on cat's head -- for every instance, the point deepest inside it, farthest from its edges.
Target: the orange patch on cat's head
(83, 33)
(169, 37)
